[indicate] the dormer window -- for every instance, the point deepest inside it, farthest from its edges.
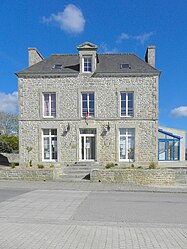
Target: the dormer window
(87, 55)
(87, 64)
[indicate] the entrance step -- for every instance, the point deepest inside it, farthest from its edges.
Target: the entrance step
(79, 171)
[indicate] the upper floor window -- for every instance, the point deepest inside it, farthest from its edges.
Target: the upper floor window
(87, 64)
(127, 104)
(88, 105)
(49, 105)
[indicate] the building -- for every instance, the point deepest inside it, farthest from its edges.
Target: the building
(171, 144)
(89, 107)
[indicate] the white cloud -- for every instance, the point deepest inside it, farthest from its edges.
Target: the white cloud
(70, 20)
(104, 49)
(123, 37)
(144, 37)
(140, 38)
(179, 111)
(8, 102)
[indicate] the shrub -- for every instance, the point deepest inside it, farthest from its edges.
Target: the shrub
(51, 166)
(30, 163)
(40, 166)
(132, 165)
(12, 165)
(152, 165)
(109, 165)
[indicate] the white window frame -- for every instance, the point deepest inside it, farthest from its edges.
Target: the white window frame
(50, 136)
(127, 136)
(50, 106)
(127, 105)
(88, 103)
(83, 64)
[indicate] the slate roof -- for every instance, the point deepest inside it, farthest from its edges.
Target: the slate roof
(107, 64)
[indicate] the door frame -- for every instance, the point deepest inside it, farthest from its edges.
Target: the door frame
(80, 146)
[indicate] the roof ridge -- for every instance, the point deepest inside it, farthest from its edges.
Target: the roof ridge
(64, 54)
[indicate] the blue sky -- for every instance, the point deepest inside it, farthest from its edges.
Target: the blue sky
(115, 26)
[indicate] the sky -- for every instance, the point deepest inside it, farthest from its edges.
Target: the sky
(123, 26)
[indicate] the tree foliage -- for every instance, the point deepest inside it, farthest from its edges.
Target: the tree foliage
(9, 140)
(8, 124)
(9, 144)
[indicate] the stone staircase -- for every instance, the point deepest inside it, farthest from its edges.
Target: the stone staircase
(79, 171)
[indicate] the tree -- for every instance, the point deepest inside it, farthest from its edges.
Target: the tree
(9, 144)
(8, 124)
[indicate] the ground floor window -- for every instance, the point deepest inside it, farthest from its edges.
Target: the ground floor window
(126, 144)
(49, 144)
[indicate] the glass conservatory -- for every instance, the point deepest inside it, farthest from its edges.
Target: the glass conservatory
(168, 146)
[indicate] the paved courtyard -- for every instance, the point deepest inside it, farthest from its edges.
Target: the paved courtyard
(40, 218)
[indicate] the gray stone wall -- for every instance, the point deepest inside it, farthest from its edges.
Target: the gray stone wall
(30, 174)
(135, 176)
(107, 102)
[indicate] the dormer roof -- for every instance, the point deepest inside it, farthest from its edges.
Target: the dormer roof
(87, 46)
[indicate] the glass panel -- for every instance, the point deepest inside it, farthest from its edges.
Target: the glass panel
(90, 148)
(131, 148)
(161, 152)
(54, 147)
(91, 96)
(53, 131)
(46, 148)
(123, 154)
(46, 131)
(161, 135)
(84, 96)
(123, 104)
(130, 131)
(123, 96)
(87, 64)
(176, 150)
(53, 105)
(170, 150)
(122, 131)
(46, 104)
(87, 131)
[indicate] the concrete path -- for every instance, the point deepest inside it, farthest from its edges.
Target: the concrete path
(40, 215)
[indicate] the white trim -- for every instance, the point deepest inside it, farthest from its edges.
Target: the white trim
(87, 57)
(50, 101)
(88, 103)
(127, 106)
(127, 136)
(80, 146)
(50, 142)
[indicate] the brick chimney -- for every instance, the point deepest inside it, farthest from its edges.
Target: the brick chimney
(34, 56)
(150, 55)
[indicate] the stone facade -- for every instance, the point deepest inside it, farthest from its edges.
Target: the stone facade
(107, 112)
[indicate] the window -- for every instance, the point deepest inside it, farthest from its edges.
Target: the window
(87, 105)
(49, 144)
(49, 105)
(87, 64)
(127, 104)
(122, 66)
(126, 144)
(57, 66)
